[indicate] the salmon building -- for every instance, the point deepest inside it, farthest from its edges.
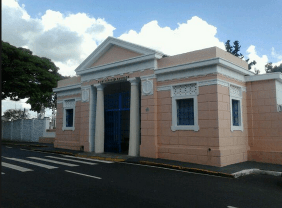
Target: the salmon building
(202, 107)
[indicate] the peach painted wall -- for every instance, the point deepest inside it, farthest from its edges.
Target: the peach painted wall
(114, 54)
(215, 127)
(84, 126)
(70, 81)
(190, 146)
(149, 124)
(265, 123)
(233, 146)
(200, 55)
(68, 139)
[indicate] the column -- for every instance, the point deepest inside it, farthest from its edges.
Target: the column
(134, 137)
(99, 124)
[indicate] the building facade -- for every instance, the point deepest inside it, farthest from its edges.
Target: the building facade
(201, 107)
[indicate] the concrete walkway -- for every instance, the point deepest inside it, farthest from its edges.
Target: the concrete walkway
(233, 171)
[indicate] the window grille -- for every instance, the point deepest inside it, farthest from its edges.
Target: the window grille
(185, 112)
(69, 117)
(235, 112)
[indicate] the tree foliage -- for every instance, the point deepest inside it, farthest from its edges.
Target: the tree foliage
(28, 76)
(14, 114)
(235, 51)
(269, 68)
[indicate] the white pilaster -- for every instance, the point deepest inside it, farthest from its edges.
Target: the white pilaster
(134, 137)
(99, 126)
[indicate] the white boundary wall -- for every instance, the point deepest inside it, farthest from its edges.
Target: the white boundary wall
(25, 130)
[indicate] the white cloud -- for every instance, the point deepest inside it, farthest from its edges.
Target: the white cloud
(193, 35)
(65, 39)
(261, 60)
(275, 54)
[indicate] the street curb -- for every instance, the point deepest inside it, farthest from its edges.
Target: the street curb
(194, 170)
(101, 158)
(256, 172)
(25, 145)
(51, 151)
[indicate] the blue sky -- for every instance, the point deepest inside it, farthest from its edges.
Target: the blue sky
(252, 22)
(68, 31)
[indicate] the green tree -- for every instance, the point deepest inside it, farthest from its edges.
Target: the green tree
(269, 68)
(235, 51)
(28, 76)
(14, 114)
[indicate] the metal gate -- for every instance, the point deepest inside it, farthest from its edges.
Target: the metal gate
(117, 108)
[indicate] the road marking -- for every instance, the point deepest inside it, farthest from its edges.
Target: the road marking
(90, 159)
(172, 169)
(53, 161)
(38, 151)
(89, 163)
(83, 174)
(231, 207)
(9, 147)
(15, 167)
(2, 173)
(32, 163)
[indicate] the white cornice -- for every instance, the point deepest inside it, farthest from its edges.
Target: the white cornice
(275, 75)
(151, 76)
(118, 64)
(201, 83)
(119, 70)
(67, 88)
(108, 43)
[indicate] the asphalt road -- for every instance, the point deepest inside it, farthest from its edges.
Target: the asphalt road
(99, 184)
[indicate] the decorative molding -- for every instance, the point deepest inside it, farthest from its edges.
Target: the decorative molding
(174, 125)
(278, 86)
(67, 88)
(267, 76)
(134, 80)
(85, 87)
(76, 99)
(107, 44)
(67, 93)
(122, 69)
(164, 88)
(230, 73)
(147, 87)
(99, 87)
(184, 90)
(70, 103)
(235, 91)
(151, 76)
(201, 83)
(133, 60)
(85, 95)
(204, 63)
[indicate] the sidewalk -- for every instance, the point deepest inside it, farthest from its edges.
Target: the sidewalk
(232, 171)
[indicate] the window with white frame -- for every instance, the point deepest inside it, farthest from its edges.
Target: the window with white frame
(235, 93)
(69, 114)
(185, 107)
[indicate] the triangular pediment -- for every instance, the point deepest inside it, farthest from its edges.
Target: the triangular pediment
(114, 50)
(114, 54)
